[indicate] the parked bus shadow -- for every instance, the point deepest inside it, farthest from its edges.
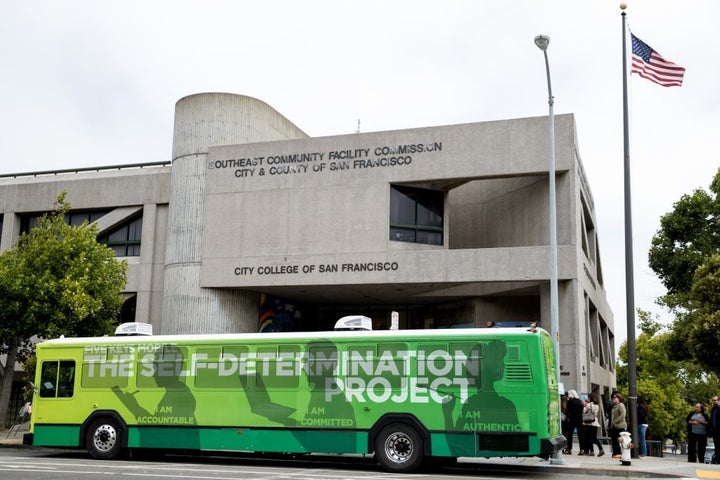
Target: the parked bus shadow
(321, 462)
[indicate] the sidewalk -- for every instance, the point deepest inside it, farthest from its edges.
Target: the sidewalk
(669, 466)
(13, 436)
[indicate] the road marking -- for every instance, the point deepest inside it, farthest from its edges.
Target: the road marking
(707, 473)
(191, 472)
(25, 467)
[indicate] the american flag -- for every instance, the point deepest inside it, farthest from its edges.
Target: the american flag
(649, 64)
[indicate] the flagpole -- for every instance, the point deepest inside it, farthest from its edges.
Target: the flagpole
(629, 275)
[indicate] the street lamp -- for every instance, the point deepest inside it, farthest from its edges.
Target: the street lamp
(542, 42)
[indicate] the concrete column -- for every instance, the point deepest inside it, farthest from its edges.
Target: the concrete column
(201, 121)
(145, 267)
(10, 230)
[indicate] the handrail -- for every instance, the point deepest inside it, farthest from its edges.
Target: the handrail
(85, 169)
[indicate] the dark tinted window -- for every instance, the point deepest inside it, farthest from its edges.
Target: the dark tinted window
(57, 379)
(416, 215)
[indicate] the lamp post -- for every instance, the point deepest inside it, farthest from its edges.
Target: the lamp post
(542, 42)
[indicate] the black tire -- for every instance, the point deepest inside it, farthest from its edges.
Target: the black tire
(104, 439)
(399, 448)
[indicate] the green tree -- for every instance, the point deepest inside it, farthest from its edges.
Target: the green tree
(57, 280)
(703, 328)
(671, 386)
(684, 256)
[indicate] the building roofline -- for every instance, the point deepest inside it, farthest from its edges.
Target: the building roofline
(86, 169)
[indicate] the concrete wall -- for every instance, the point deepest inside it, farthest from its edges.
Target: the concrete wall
(334, 207)
(85, 190)
(202, 121)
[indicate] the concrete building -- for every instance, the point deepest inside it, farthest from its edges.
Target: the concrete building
(256, 226)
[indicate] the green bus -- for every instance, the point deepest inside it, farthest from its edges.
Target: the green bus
(403, 395)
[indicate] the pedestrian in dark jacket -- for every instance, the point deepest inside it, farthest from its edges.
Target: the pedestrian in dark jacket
(715, 427)
(573, 412)
(697, 428)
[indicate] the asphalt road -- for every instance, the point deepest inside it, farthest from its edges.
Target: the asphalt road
(41, 464)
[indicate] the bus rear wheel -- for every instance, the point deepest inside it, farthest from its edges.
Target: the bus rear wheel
(104, 439)
(399, 448)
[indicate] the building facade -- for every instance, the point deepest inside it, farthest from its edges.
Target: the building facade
(255, 226)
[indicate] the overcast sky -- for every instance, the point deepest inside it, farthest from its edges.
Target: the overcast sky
(92, 82)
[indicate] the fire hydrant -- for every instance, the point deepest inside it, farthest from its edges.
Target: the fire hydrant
(626, 447)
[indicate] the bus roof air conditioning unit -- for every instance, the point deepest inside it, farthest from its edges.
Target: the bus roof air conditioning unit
(353, 322)
(130, 329)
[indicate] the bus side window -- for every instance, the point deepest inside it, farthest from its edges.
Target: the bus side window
(48, 379)
(66, 379)
(322, 366)
(57, 379)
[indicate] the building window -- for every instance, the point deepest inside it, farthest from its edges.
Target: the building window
(29, 221)
(77, 218)
(416, 215)
(127, 311)
(125, 239)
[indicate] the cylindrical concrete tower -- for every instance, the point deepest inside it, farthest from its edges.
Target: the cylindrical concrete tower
(201, 121)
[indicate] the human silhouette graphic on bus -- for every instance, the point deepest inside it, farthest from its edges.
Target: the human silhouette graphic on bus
(176, 407)
(485, 408)
(328, 408)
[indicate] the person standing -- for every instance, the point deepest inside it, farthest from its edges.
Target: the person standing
(590, 428)
(595, 426)
(583, 429)
(697, 425)
(715, 427)
(617, 423)
(573, 412)
(563, 416)
(642, 419)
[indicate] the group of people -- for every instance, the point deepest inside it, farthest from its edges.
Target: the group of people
(700, 426)
(584, 417)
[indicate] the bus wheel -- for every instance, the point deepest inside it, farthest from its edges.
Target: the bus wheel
(399, 448)
(104, 439)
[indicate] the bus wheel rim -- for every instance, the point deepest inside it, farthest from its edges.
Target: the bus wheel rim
(105, 438)
(398, 447)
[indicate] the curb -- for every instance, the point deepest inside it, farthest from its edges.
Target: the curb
(485, 465)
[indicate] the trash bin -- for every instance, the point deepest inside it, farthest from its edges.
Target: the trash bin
(655, 448)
